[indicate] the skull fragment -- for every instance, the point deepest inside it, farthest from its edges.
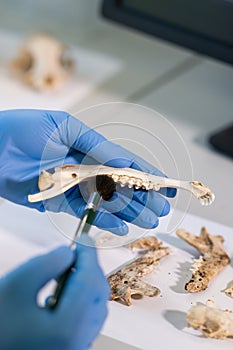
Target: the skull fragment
(42, 62)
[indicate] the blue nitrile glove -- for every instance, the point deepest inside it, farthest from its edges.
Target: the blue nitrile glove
(32, 140)
(78, 317)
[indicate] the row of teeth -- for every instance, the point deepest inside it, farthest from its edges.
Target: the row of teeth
(207, 199)
(137, 183)
(197, 264)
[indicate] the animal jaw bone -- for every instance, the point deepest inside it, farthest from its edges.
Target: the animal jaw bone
(229, 290)
(211, 321)
(213, 260)
(70, 175)
(42, 62)
(126, 282)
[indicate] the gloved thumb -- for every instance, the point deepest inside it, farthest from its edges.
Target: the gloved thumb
(30, 277)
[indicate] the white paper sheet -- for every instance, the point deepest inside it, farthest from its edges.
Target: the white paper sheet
(92, 68)
(159, 323)
(150, 323)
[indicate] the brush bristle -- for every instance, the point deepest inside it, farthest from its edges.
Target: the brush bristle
(105, 186)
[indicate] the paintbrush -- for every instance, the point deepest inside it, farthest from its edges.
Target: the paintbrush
(100, 188)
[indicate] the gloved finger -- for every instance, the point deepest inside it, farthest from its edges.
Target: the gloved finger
(153, 201)
(72, 204)
(120, 208)
(132, 211)
(150, 199)
(80, 284)
(74, 134)
(168, 192)
(30, 277)
(111, 222)
(74, 157)
(103, 219)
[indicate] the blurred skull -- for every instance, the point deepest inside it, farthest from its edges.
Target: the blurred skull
(42, 62)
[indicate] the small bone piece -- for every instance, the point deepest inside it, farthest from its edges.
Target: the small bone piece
(70, 175)
(146, 243)
(211, 321)
(126, 282)
(42, 62)
(213, 260)
(229, 290)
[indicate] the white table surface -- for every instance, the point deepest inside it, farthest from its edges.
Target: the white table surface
(150, 322)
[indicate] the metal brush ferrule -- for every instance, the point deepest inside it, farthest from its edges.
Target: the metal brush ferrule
(93, 201)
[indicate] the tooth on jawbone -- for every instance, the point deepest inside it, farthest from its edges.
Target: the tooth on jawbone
(146, 185)
(131, 182)
(138, 183)
(115, 177)
(124, 179)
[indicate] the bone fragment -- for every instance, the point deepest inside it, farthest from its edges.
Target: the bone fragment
(229, 290)
(126, 282)
(211, 321)
(147, 243)
(210, 263)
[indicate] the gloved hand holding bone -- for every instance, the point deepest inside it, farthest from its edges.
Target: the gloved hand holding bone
(33, 140)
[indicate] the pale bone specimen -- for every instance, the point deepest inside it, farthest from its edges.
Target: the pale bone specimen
(70, 175)
(126, 281)
(229, 290)
(42, 62)
(147, 243)
(213, 260)
(211, 321)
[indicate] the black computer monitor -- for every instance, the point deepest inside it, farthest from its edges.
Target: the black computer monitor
(205, 26)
